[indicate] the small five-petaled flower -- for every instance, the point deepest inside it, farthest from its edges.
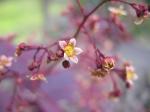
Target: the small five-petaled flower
(130, 74)
(118, 11)
(5, 61)
(70, 50)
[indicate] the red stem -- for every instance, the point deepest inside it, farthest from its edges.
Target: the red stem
(81, 8)
(87, 16)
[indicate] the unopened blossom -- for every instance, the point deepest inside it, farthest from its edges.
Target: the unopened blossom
(114, 95)
(5, 61)
(142, 13)
(19, 49)
(119, 11)
(70, 50)
(38, 76)
(130, 74)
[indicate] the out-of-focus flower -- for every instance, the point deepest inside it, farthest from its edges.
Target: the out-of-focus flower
(130, 74)
(142, 13)
(108, 63)
(38, 76)
(5, 61)
(70, 51)
(119, 11)
(93, 23)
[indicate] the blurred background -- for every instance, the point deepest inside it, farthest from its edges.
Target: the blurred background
(40, 18)
(27, 17)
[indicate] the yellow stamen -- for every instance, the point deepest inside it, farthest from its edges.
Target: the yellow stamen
(130, 75)
(69, 50)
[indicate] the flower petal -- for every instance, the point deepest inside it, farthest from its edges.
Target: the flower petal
(8, 64)
(66, 57)
(118, 11)
(78, 50)
(130, 82)
(73, 41)
(1, 67)
(135, 76)
(3, 57)
(62, 44)
(10, 58)
(138, 21)
(74, 59)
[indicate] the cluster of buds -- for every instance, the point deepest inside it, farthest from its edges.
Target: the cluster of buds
(55, 56)
(142, 12)
(104, 65)
(19, 49)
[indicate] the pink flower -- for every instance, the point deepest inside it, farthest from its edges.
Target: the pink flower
(70, 51)
(5, 61)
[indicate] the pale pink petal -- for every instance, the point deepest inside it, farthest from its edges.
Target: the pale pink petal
(3, 57)
(66, 57)
(74, 59)
(1, 67)
(8, 64)
(73, 41)
(130, 82)
(62, 44)
(10, 59)
(78, 50)
(135, 77)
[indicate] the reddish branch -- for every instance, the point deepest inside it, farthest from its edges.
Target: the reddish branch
(87, 16)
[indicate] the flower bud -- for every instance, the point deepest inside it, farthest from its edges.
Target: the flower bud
(66, 64)
(33, 65)
(19, 49)
(115, 94)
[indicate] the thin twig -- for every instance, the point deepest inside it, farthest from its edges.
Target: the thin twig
(81, 8)
(87, 16)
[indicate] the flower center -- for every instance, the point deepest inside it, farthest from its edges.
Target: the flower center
(108, 63)
(130, 75)
(69, 50)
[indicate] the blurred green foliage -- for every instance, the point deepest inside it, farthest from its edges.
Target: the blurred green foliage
(148, 1)
(25, 16)
(19, 16)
